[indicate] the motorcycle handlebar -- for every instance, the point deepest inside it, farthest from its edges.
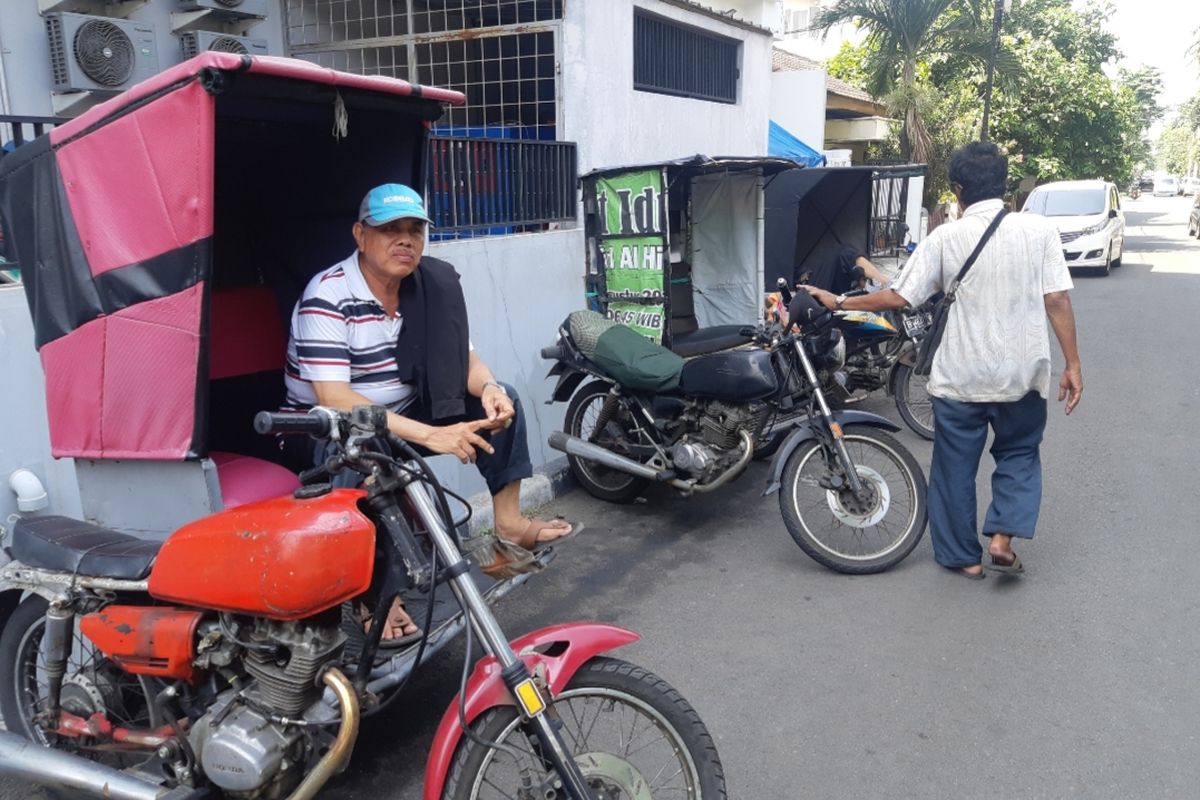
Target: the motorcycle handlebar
(314, 423)
(555, 353)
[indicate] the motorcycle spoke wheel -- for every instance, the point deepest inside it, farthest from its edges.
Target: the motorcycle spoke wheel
(583, 421)
(913, 401)
(845, 533)
(92, 683)
(633, 736)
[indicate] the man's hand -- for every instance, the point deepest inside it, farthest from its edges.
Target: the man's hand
(498, 406)
(460, 440)
(827, 299)
(1070, 387)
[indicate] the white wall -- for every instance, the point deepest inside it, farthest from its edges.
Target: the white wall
(24, 435)
(26, 53)
(798, 104)
(518, 289)
(615, 125)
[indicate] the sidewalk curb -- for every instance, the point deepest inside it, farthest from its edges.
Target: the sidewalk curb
(549, 482)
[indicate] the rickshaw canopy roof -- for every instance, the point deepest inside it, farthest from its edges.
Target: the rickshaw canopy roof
(121, 218)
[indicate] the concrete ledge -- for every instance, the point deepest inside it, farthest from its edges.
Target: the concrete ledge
(549, 481)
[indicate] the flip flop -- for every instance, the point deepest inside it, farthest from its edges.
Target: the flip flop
(528, 538)
(971, 576)
(1014, 567)
(366, 620)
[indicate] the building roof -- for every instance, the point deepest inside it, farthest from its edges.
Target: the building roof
(727, 17)
(783, 61)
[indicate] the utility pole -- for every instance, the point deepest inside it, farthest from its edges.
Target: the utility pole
(997, 20)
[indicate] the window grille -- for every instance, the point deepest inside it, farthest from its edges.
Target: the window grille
(501, 54)
(675, 59)
(506, 66)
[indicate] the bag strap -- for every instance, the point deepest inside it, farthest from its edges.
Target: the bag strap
(987, 234)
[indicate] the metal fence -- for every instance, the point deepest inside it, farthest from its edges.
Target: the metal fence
(889, 205)
(15, 131)
(484, 187)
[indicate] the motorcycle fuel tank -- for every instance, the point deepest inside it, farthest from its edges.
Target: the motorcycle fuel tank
(283, 558)
(734, 375)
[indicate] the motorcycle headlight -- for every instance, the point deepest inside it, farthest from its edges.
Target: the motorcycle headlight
(835, 354)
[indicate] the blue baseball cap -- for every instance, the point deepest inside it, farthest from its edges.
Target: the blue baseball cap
(389, 202)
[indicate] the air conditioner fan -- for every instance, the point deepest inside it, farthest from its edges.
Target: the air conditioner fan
(228, 44)
(104, 52)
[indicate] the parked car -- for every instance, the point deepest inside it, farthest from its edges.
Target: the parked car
(1190, 184)
(1166, 186)
(1089, 218)
(1146, 183)
(1194, 218)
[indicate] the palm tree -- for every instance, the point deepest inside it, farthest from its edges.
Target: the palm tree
(900, 35)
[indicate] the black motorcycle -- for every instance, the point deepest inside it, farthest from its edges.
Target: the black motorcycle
(852, 496)
(880, 351)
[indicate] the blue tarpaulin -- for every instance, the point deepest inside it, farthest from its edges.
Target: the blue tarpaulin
(783, 144)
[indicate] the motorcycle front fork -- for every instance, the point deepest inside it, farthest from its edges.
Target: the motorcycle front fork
(529, 697)
(834, 430)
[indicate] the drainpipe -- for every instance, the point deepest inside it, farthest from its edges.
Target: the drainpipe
(4, 109)
(31, 494)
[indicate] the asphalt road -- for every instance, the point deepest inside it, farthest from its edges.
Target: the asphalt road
(1074, 680)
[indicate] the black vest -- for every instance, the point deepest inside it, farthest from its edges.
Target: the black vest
(431, 351)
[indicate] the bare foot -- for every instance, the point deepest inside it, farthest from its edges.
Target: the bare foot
(529, 533)
(399, 623)
(1001, 546)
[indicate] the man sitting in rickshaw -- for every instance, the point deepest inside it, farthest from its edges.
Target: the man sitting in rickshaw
(850, 269)
(388, 326)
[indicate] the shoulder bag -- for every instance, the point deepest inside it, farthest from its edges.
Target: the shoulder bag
(941, 310)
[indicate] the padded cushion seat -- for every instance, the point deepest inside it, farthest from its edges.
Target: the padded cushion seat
(709, 340)
(71, 545)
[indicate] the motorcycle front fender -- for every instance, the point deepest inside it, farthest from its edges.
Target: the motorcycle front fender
(804, 431)
(565, 649)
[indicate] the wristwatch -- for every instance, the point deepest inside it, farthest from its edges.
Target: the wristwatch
(498, 386)
(837, 301)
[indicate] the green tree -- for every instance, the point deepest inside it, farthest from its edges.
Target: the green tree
(901, 36)
(1177, 149)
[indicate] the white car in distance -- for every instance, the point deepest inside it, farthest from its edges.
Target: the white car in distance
(1089, 219)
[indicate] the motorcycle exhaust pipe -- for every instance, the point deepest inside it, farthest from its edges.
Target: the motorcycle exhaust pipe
(76, 775)
(574, 446)
(333, 761)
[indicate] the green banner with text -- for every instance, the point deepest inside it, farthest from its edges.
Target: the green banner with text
(632, 249)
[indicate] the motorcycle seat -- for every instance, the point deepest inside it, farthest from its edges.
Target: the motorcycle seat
(71, 545)
(709, 340)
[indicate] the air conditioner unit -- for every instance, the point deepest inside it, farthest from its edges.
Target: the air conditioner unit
(196, 42)
(227, 9)
(99, 54)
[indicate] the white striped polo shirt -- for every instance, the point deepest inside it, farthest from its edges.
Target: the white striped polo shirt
(340, 332)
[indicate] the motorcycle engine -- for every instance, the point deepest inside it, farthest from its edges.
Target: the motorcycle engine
(242, 744)
(718, 425)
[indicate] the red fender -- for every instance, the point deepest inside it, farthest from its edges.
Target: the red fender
(577, 642)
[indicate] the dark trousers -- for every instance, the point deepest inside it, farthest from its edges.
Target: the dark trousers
(960, 432)
(510, 461)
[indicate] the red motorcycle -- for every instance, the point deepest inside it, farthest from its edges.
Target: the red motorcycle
(224, 662)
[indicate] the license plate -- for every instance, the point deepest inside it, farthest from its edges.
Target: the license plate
(916, 324)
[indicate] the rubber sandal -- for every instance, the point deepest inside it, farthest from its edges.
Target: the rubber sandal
(971, 576)
(1014, 567)
(528, 538)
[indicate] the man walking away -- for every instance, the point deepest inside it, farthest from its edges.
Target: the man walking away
(993, 366)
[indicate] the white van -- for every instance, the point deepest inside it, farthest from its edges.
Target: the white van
(1166, 186)
(1089, 218)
